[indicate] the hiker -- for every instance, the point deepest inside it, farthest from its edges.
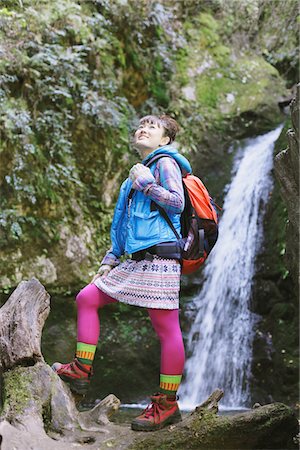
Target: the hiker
(145, 280)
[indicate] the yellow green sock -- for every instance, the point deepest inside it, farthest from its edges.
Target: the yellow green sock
(85, 353)
(169, 384)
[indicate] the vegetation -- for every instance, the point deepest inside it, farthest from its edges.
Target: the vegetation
(74, 78)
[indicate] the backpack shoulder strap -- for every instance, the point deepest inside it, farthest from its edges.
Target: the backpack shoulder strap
(160, 208)
(157, 157)
(167, 219)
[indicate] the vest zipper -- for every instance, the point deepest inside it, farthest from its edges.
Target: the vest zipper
(129, 205)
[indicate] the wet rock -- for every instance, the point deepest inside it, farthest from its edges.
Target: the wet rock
(265, 294)
(287, 172)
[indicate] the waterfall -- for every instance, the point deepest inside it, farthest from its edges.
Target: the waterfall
(220, 339)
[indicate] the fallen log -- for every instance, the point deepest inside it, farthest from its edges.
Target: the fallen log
(266, 427)
(39, 412)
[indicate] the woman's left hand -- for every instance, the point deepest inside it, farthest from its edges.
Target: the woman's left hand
(95, 278)
(102, 272)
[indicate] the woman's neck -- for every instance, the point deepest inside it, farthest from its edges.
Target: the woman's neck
(145, 152)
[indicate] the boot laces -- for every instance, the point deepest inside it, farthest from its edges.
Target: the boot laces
(152, 410)
(68, 366)
(75, 367)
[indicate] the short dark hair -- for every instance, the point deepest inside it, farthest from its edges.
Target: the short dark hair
(169, 124)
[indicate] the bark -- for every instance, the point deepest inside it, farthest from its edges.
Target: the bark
(39, 411)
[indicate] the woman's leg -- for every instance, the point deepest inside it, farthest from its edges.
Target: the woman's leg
(89, 300)
(167, 327)
(77, 373)
(163, 409)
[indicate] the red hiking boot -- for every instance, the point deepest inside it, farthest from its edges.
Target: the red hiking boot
(76, 374)
(158, 414)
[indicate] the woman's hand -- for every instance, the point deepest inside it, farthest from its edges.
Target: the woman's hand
(140, 176)
(139, 170)
(102, 272)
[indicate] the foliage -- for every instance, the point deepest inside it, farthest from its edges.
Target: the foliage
(74, 77)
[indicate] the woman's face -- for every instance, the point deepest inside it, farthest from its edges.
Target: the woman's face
(149, 136)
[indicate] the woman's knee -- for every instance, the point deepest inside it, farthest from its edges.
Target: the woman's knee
(92, 297)
(88, 297)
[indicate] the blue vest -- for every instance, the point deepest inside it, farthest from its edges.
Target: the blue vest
(137, 227)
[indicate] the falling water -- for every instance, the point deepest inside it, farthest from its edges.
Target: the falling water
(220, 340)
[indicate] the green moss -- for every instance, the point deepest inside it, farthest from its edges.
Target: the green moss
(16, 384)
(221, 54)
(46, 415)
(227, 85)
(210, 90)
(207, 21)
(182, 59)
(248, 83)
(6, 12)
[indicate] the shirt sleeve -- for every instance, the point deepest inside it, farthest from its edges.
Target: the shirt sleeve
(110, 259)
(165, 187)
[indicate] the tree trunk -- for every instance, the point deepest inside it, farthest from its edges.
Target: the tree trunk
(38, 409)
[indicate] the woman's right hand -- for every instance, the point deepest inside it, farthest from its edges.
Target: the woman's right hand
(102, 272)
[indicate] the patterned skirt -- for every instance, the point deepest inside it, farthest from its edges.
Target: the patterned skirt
(150, 284)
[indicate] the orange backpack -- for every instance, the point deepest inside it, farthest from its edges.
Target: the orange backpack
(199, 222)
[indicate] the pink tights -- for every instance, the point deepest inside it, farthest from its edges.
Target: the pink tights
(165, 323)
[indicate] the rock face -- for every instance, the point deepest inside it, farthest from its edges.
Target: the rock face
(71, 96)
(287, 172)
(275, 297)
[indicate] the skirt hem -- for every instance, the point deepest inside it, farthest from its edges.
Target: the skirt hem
(147, 284)
(132, 303)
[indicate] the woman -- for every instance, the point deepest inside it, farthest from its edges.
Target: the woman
(146, 279)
